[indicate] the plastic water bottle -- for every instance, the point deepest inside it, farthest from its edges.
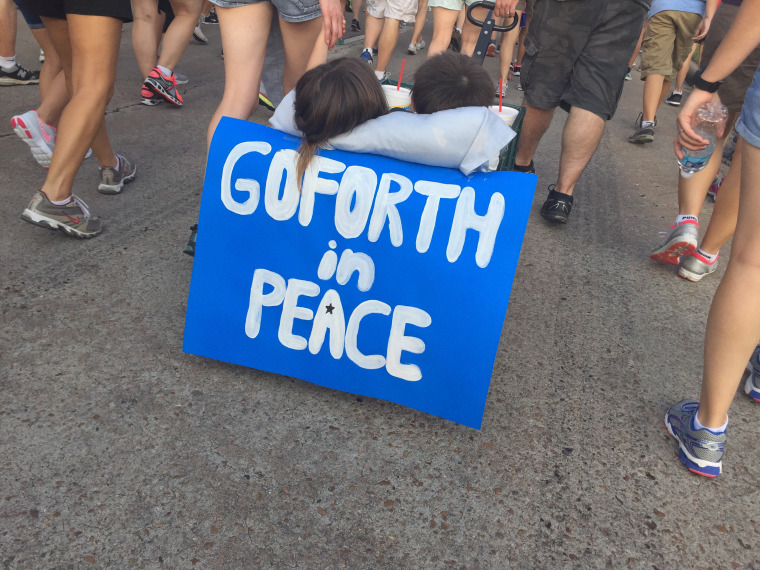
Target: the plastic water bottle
(710, 117)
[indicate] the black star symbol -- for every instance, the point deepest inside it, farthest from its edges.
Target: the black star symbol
(329, 308)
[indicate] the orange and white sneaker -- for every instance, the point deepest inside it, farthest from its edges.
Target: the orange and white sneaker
(37, 134)
(165, 87)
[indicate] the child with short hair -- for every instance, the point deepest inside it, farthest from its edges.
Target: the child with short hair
(452, 126)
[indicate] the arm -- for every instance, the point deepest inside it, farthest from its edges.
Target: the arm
(506, 8)
(319, 53)
(704, 25)
(334, 24)
(739, 42)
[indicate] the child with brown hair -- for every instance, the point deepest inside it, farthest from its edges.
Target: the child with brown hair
(450, 96)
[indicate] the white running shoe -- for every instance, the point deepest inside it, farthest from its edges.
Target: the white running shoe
(38, 135)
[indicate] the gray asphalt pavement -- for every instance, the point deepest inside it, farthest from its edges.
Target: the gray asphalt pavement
(117, 450)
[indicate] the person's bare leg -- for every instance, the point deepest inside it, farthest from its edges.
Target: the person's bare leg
(298, 40)
(723, 220)
(692, 191)
(419, 21)
(244, 30)
(654, 87)
(638, 45)
(180, 31)
(733, 325)
(54, 101)
(521, 41)
(443, 24)
(373, 27)
(535, 124)
(684, 71)
(470, 32)
(8, 22)
(144, 39)
(580, 137)
(508, 48)
(52, 65)
(83, 43)
(386, 44)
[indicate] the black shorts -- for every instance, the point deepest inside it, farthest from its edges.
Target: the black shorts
(577, 52)
(119, 9)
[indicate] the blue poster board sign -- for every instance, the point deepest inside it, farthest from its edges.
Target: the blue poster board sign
(379, 277)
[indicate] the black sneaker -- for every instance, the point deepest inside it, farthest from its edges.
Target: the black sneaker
(211, 18)
(190, 247)
(557, 206)
(529, 169)
(355, 26)
(349, 6)
(674, 99)
(18, 76)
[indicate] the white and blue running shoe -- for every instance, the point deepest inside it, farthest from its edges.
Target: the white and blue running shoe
(700, 450)
(752, 386)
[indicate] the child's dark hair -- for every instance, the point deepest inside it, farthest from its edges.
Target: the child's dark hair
(450, 80)
(332, 99)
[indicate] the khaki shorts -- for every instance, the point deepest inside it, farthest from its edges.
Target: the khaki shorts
(735, 87)
(667, 42)
(402, 10)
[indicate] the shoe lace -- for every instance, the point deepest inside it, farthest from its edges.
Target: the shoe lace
(82, 206)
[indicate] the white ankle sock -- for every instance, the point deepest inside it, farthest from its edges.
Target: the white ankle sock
(682, 219)
(8, 63)
(711, 257)
(721, 429)
(645, 124)
(165, 70)
(379, 74)
(61, 202)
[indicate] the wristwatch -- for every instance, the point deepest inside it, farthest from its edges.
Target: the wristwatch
(699, 83)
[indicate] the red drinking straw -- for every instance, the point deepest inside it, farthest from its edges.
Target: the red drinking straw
(400, 75)
(501, 83)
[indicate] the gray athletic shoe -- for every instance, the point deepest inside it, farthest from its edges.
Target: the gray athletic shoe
(642, 134)
(199, 36)
(694, 266)
(112, 180)
(752, 385)
(73, 218)
(680, 240)
(700, 450)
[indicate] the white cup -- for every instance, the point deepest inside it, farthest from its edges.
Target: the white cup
(507, 114)
(400, 98)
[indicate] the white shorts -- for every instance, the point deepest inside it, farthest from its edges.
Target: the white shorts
(402, 10)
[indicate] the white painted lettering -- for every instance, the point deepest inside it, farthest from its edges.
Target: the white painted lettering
(366, 361)
(258, 299)
(398, 342)
(385, 208)
(242, 184)
(487, 226)
(313, 184)
(434, 192)
(291, 311)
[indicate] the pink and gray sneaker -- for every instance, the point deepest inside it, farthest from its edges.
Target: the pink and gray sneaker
(695, 266)
(680, 240)
(37, 134)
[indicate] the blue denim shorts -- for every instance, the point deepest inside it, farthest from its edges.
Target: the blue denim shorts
(289, 10)
(749, 121)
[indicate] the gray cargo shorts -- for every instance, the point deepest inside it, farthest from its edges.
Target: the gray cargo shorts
(577, 52)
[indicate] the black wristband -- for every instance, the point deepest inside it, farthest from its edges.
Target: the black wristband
(699, 83)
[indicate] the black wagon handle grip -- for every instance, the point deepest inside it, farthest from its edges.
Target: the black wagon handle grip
(490, 6)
